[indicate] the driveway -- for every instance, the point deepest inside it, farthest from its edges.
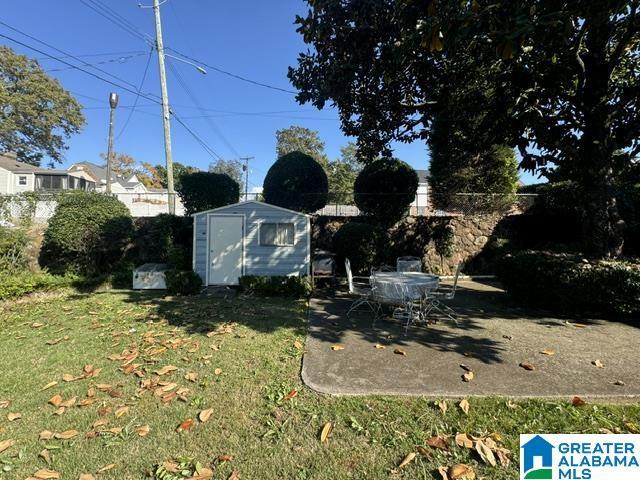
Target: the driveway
(493, 338)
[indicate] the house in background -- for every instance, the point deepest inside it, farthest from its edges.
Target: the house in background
(18, 177)
(420, 205)
(98, 175)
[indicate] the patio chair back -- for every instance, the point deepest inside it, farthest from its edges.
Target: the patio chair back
(455, 281)
(347, 267)
(408, 264)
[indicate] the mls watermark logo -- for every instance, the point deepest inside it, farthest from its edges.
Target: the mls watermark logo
(579, 457)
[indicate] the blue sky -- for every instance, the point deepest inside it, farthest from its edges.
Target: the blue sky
(251, 38)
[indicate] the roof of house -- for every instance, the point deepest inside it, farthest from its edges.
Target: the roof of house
(423, 176)
(252, 202)
(9, 162)
(97, 171)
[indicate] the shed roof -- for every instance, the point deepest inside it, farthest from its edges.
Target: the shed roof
(251, 201)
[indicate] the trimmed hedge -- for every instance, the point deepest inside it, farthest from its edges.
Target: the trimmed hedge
(13, 249)
(569, 283)
(297, 182)
(202, 191)
(286, 286)
(87, 234)
(384, 189)
(183, 282)
(360, 243)
(18, 285)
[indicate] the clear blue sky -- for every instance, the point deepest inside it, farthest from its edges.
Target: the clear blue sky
(252, 38)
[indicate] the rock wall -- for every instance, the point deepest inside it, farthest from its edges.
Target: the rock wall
(473, 235)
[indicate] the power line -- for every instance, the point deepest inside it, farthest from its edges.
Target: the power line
(115, 18)
(204, 145)
(105, 54)
(121, 59)
(234, 75)
(135, 103)
(195, 101)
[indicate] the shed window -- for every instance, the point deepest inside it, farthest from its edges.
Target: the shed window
(22, 180)
(277, 234)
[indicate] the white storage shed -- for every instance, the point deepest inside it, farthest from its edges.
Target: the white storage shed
(250, 238)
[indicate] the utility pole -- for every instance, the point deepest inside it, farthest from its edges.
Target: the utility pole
(113, 103)
(245, 167)
(166, 113)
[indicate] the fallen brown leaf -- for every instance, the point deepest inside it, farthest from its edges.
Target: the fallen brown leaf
(443, 471)
(49, 385)
(56, 400)
(442, 405)
(191, 376)
(46, 435)
(337, 347)
(379, 346)
(12, 416)
(217, 371)
(298, 345)
(437, 442)
(326, 430)
(87, 476)
(292, 394)
(235, 475)
(598, 363)
(461, 471)
(5, 444)
(548, 352)
(485, 453)
(407, 460)
(578, 402)
(143, 430)
(527, 366)
(106, 467)
(166, 369)
(225, 458)
(44, 454)
(4, 403)
(46, 474)
(66, 435)
(399, 351)
(205, 415)
(464, 405)
(121, 412)
(186, 425)
(463, 440)
(468, 376)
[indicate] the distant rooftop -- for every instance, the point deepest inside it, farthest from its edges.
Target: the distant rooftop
(9, 161)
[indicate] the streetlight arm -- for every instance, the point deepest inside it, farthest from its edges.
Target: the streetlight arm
(196, 66)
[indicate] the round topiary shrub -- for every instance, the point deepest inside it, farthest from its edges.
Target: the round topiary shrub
(360, 243)
(183, 282)
(384, 189)
(87, 234)
(296, 181)
(201, 191)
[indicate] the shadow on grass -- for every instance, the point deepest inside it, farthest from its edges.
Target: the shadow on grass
(203, 313)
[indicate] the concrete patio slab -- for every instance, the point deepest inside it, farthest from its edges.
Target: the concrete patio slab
(493, 338)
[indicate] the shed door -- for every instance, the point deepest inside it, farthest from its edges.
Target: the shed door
(225, 249)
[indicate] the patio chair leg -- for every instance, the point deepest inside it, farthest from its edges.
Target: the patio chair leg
(446, 310)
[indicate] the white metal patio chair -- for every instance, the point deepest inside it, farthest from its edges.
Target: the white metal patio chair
(360, 287)
(406, 307)
(446, 293)
(409, 264)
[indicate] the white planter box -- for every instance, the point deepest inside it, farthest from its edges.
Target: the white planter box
(150, 276)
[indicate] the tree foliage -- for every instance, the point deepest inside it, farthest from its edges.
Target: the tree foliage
(301, 139)
(156, 176)
(232, 168)
(385, 188)
(201, 191)
(87, 234)
(560, 80)
(37, 114)
(298, 182)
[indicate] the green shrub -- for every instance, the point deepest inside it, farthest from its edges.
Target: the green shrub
(202, 191)
(87, 234)
(287, 286)
(297, 182)
(156, 237)
(13, 245)
(360, 243)
(384, 189)
(20, 284)
(568, 283)
(183, 282)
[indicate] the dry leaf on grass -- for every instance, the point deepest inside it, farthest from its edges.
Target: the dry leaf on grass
(191, 376)
(143, 430)
(46, 456)
(166, 369)
(326, 430)
(443, 471)
(235, 475)
(437, 442)
(56, 400)
(217, 371)
(106, 467)
(186, 425)
(337, 347)
(407, 460)
(442, 405)
(292, 394)
(461, 471)
(225, 458)
(87, 476)
(527, 366)
(298, 345)
(4, 403)
(486, 454)
(49, 385)
(121, 412)
(66, 435)
(578, 402)
(205, 415)
(46, 474)
(598, 363)
(464, 405)
(463, 440)
(5, 444)
(46, 435)
(12, 416)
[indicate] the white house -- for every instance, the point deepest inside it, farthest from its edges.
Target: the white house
(98, 175)
(18, 177)
(420, 205)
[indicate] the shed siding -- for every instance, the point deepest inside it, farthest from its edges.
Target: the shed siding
(258, 259)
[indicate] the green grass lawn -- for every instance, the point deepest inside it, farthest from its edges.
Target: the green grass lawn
(243, 373)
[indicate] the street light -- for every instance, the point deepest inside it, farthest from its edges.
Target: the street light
(113, 103)
(197, 67)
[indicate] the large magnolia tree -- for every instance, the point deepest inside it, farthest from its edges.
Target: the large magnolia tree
(560, 79)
